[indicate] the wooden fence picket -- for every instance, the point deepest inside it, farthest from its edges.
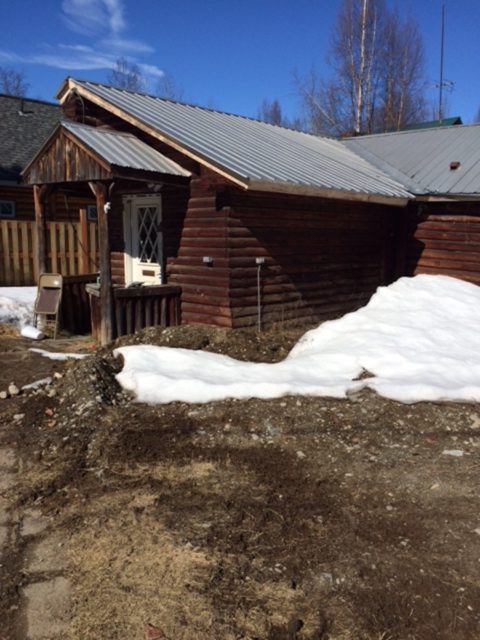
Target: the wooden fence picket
(72, 249)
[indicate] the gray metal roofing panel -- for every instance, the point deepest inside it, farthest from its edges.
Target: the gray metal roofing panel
(254, 150)
(423, 157)
(124, 149)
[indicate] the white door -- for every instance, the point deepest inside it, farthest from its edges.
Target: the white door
(143, 239)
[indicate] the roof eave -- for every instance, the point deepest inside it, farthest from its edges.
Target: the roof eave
(446, 197)
(323, 192)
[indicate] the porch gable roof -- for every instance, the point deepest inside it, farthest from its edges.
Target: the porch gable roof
(76, 152)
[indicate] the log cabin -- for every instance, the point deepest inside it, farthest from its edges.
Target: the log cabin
(212, 218)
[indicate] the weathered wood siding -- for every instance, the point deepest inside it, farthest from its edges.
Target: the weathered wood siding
(444, 238)
(323, 257)
(65, 160)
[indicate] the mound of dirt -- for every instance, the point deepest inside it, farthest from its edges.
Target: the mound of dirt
(288, 519)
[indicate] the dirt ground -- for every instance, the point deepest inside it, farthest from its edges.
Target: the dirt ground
(288, 519)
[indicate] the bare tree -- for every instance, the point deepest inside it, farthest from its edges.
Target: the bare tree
(13, 83)
(168, 88)
(271, 112)
(126, 75)
(402, 90)
(377, 68)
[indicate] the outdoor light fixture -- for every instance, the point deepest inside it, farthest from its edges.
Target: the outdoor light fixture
(207, 260)
(260, 260)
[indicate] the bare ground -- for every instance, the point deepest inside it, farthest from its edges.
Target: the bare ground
(297, 518)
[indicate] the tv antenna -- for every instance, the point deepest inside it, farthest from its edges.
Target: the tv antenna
(443, 84)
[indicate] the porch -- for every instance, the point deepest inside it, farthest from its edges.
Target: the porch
(131, 183)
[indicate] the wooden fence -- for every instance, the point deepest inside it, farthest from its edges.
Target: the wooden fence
(72, 249)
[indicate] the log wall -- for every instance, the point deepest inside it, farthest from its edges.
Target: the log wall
(444, 238)
(205, 287)
(323, 257)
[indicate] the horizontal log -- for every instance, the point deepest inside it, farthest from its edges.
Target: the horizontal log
(202, 319)
(210, 310)
(449, 265)
(463, 275)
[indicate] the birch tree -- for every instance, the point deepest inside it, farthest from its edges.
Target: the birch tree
(376, 64)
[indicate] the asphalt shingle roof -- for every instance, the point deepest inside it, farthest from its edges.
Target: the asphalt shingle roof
(24, 126)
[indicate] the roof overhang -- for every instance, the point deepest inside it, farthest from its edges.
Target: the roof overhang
(457, 197)
(319, 192)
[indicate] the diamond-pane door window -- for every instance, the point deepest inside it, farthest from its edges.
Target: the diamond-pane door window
(148, 234)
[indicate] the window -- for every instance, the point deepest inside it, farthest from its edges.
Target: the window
(7, 209)
(92, 212)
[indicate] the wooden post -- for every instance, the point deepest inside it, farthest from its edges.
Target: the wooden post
(83, 254)
(106, 295)
(39, 198)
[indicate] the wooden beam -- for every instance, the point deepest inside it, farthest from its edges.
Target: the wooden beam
(40, 193)
(321, 192)
(101, 193)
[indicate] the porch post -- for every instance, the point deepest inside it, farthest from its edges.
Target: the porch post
(106, 295)
(39, 197)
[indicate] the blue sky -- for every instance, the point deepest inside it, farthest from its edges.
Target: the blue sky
(228, 54)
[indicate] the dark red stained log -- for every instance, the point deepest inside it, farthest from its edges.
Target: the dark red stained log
(205, 298)
(444, 239)
(100, 191)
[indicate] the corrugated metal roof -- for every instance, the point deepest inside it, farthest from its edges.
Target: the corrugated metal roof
(421, 159)
(251, 150)
(124, 149)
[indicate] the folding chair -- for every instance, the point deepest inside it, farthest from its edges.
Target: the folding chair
(47, 304)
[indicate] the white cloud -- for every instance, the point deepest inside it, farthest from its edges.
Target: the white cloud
(103, 23)
(93, 17)
(151, 70)
(128, 46)
(8, 56)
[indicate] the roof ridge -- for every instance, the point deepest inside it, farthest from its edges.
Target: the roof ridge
(412, 131)
(195, 106)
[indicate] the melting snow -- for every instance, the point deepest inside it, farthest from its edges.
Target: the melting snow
(419, 338)
(16, 305)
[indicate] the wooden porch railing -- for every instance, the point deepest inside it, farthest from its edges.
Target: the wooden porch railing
(137, 308)
(75, 304)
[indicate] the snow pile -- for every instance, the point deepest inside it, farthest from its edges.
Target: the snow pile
(419, 339)
(16, 305)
